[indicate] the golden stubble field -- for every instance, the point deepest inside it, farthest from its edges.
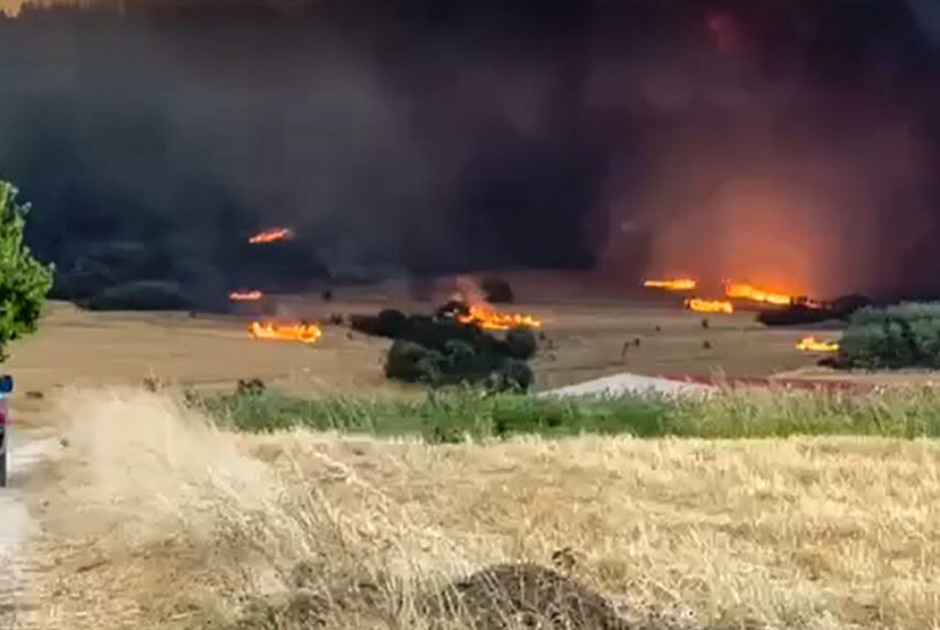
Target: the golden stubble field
(151, 519)
(586, 339)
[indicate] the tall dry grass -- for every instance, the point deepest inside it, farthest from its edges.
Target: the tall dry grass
(159, 519)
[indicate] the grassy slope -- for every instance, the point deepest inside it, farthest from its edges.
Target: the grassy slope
(181, 522)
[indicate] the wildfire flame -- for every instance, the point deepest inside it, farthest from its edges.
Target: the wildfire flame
(747, 292)
(271, 236)
(492, 320)
(304, 333)
(484, 315)
(709, 306)
(811, 344)
(245, 296)
(678, 284)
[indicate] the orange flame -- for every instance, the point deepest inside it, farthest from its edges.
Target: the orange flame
(709, 306)
(747, 292)
(811, 344)
(245, 296)
(492, 320)
(678, 284)
(304, 333)
(271, 236)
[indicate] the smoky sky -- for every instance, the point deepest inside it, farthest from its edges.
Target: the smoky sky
(793, 144)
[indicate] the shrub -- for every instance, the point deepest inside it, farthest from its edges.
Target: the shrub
(412, 363)
(845, 306)
(441, 350)
(250, 387)
(458, 362)
(498, 291)
(435, 334)
(515, 375)
(24, 281)
(366, 324)
(906, 310)
(392, 323)
(900, 336)
(521, 343)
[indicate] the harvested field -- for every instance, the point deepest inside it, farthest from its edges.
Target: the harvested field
(584, 341)
(151, 517)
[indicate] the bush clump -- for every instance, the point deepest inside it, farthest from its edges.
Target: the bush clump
(440, 350)
(900, 336)
(521, 343)
(412, 363)
(392, 323)
(457, 362)
(498, 291)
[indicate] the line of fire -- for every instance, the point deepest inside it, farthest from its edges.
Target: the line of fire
(465, 306)
(773, 307)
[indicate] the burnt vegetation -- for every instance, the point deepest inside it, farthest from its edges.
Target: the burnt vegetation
(801, 313)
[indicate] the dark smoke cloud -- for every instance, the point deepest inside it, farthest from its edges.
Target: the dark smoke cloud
(791, 143)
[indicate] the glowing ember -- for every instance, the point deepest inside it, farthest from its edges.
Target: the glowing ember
(492, 320)
(304, 333)
(709, 306)
(747, 292)
(679, 284)
(245, 296)
(271, 236)
(811, 344)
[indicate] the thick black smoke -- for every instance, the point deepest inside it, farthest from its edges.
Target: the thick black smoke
(791, 143)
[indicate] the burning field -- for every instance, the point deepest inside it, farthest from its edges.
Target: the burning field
(740, 293)
(303, 333)
(773, 308)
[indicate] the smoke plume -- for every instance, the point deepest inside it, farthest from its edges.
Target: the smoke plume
(788, 144)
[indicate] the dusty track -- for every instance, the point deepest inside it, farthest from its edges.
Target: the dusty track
(17, 526)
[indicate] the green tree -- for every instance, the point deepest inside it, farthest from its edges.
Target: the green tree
(24, 281)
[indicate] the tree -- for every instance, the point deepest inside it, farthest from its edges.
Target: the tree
(24, 281)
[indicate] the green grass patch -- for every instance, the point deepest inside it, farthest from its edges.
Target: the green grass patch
(448, 416)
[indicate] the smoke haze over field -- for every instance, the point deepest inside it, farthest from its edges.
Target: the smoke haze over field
(784, 143)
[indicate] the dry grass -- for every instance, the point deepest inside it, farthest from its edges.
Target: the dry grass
(585, 341)
(158, 520)
(153, 519)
